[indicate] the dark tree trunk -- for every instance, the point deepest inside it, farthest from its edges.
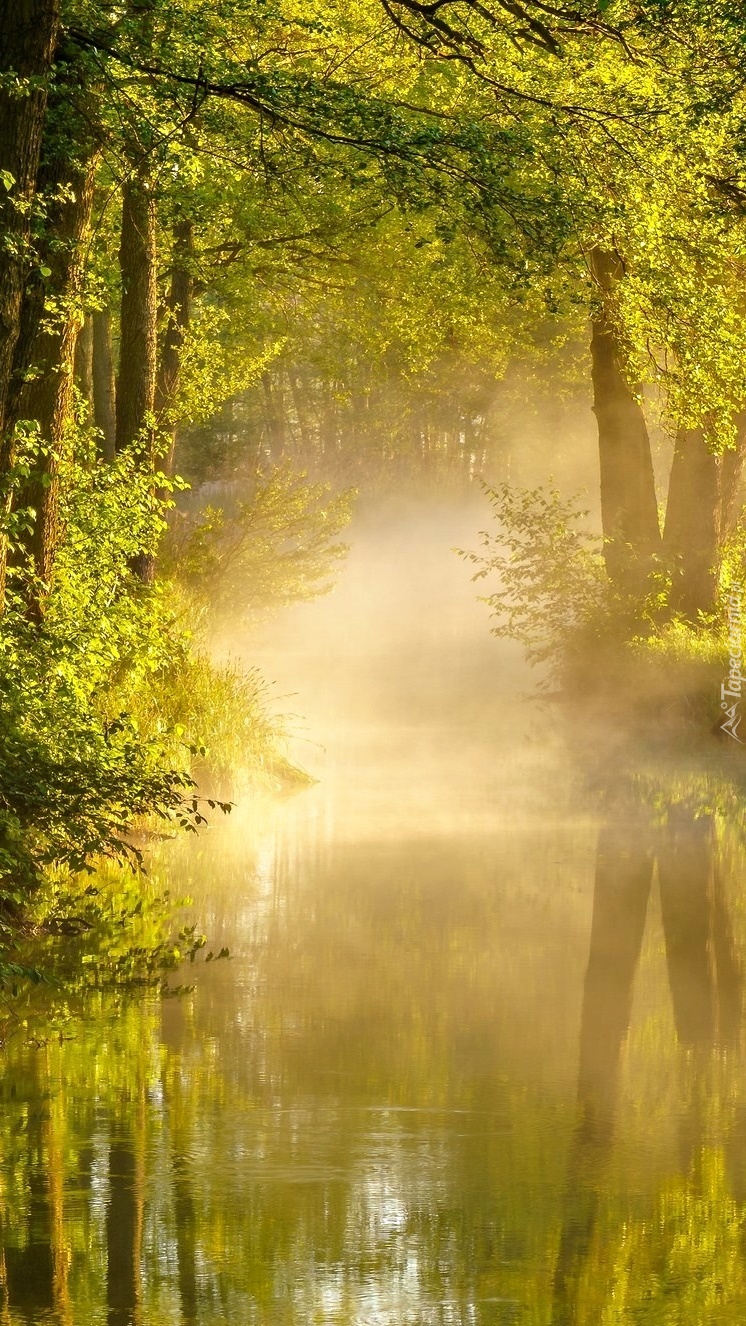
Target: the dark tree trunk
(178, 313)
(84, 360)
(104, 386)
(66, 178)
(731, 482)
(48, 396)
(28, 33)
(701, 512)
(178, 310)
(691, 536)
(138, 346)
(629, 509)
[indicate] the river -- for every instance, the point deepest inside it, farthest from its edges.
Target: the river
(475, 1056)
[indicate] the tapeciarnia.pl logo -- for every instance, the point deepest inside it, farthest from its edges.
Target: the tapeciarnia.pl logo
(731, 688)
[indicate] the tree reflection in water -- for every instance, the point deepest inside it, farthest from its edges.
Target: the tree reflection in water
(705, 978)
(373, 1114)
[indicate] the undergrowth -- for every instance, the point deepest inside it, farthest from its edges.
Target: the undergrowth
(113, 721)
(623, 659)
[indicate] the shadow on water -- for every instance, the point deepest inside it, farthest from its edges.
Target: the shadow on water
(476, 1058)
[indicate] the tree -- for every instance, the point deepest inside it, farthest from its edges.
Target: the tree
(28, 33)
(52, 305)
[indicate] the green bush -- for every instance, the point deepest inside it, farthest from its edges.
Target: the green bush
(627, 658)
(104, 706)
(263, 542)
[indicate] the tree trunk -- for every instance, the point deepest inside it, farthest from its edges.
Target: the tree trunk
(731, 483)
(629, 510)
(691, 536)
(84, 360)
(66, 178)
(138, 343)
(137, 355)
(178, 313)
(48, 397)
(28, 33)
(179, 309)
(104, 386)
(702, 509)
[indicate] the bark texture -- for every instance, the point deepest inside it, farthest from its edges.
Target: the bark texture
(136, 386)
(702, 509)
(135, 402)
(104, 385)
(84, 359)
(629, 509)
(178, 314)
(66, 178)
(28, 34)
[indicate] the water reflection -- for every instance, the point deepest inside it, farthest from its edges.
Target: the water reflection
(369, 1115)
(476, 1058)
(705, 980)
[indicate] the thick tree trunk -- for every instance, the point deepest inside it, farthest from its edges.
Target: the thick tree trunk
(691, 536)
(104, 386)
(66, 178)
(702, 509)
(629, 509)
(135, 403)
(48, 397)
(28, 33)
(731, 481)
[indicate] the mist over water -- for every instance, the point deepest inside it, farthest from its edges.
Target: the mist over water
(472, 1056)
(411, 715)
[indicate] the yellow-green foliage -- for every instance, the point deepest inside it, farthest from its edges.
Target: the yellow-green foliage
(273, 539)
(104, 706)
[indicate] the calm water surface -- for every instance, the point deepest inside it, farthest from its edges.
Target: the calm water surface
(476, 1055)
